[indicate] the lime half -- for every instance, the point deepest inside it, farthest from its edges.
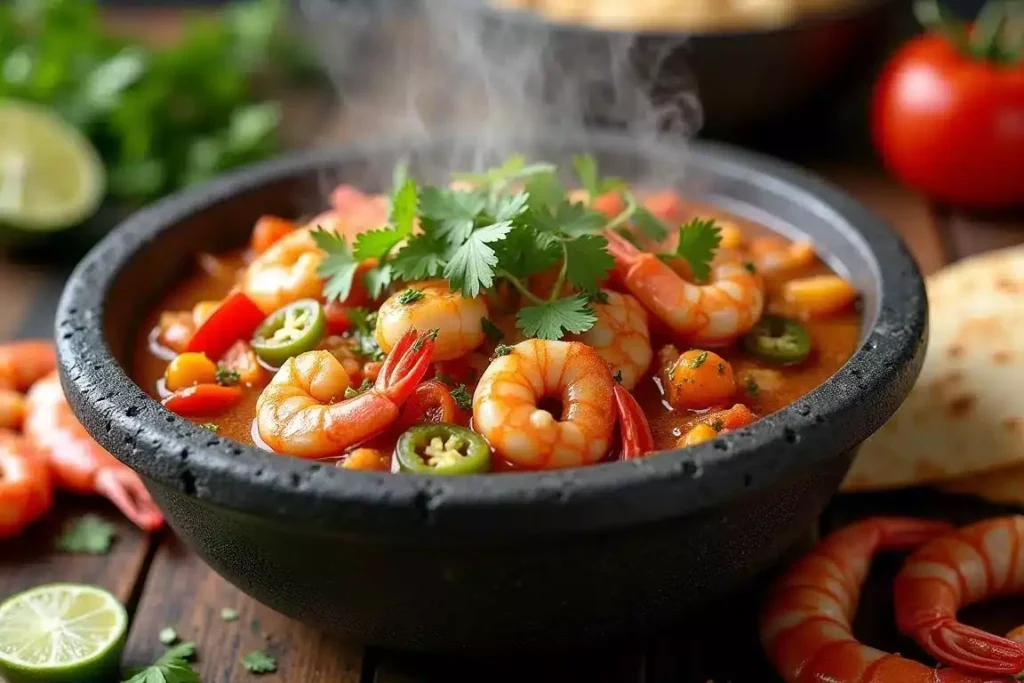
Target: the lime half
(51, 176)
(61, 633)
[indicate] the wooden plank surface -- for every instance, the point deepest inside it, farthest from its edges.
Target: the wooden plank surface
(184, 593)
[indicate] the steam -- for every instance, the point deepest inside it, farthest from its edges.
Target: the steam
(419, 69)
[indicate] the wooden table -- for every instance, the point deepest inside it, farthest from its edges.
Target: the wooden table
(165, 584)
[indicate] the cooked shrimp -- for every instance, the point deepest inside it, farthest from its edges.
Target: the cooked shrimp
(26, 492)
(621, 337)
(22, 363)
(304, 412)
(457, 319)
(12, 409)
(635, 432)
(285, 272)
(972, 564)
(712, 314)
(79, 464)
(806, 625)
(506, 411)
(773, 254)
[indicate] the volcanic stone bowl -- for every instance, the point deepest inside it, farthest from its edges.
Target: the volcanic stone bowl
(532, 560)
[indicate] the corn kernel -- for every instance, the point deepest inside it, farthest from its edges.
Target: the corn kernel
(696, 435)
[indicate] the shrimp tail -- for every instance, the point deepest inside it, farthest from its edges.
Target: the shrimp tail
(125, 490)
(622, 250)
(971, 649)
(406, 366)
(637, 440)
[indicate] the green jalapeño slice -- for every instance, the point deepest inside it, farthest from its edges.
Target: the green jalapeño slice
(289, 331)
(442, 449)
(778, 340)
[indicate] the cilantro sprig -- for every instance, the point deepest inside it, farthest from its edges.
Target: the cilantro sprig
(497, 229)
(698, 241)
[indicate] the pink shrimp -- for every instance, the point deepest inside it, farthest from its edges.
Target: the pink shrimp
(302, 411)
(806, 624)
(23, 363)
(975, 563)
(79, 464)
(713, 314)
(26, 492)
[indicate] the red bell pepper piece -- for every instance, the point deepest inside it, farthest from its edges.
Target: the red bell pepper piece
(737, 417)
(236, 318)
(637, 440)
(202, 399)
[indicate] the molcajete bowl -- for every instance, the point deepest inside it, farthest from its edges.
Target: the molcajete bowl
(531, 560)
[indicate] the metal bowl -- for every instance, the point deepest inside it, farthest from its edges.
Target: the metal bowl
(503, 561)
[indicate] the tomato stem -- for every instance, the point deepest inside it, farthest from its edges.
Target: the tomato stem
(990, 38)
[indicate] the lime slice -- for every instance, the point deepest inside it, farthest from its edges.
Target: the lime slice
(51, 176)
(61, 633)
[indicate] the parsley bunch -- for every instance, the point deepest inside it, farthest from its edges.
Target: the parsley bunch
(502, 226)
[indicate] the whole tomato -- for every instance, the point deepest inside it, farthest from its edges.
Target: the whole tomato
(948, 119)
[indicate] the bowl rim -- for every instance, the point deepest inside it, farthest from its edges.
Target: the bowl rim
(803, 22)
(169, 451)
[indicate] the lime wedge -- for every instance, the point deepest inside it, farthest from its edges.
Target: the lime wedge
(61, 633)
(51, 177)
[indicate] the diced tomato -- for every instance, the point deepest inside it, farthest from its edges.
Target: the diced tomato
(610, 204)
(430, 402)
(337, 318)
(242, 359)
(236, 318)
(268, 230)
(203, 399)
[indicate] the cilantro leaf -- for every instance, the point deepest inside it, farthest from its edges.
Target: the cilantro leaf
(376, 244)
(471, 267)
(587, 261)
(378, 279)
(525, 251)
(259, 662)
(226, 377)
(649, 224)
(167, 670)
(183, 651)
(553, 319)
(508, 207)
(569, 219)
(462, 397)
(450, 215)
(90, 535)
(338, 267)
(698, 241)
(545, 190)
(421, 258)
(491, 330)
(364, 323)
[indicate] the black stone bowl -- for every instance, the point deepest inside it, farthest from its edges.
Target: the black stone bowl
(749, 81)
(501, 561)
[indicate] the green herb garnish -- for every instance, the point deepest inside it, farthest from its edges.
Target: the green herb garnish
(90, 535)
(698, 241)
(259, 662)
(226, 377)
(752, 387)
(493, 333)
(229, 614)
(210, 426)
(172, 667)
(699, 360)
(168, 636)
(462, 397)
(410, 296)
(501, 350)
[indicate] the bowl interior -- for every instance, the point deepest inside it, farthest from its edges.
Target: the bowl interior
(117, 284)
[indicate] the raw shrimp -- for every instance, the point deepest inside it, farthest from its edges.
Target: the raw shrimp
(621, 337)
(457, 319)
(713, 314)
(506, 411)
(975, 563)
(26, 492)
(79, 464)
(23, 363)
(285, 272)
(302, 411)
(806, 625)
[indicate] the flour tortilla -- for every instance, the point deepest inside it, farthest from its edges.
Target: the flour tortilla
(965, 416)
(1003, 486)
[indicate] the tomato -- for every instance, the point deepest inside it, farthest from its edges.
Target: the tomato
(951, 124)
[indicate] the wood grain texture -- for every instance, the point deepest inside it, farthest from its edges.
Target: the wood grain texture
(182, 592)
(967, 235)
(30, 560)
(616, 663)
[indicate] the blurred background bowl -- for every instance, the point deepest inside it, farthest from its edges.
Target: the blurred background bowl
(748, 80)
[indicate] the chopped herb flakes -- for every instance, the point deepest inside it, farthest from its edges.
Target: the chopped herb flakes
(462, 397)
(89, 535)
(410, 296)
(699, 360)
(168, 636)
(718, 425)
(259, 662)
(752, 388)
(229, 614)
(501, 350)
(226, 377)
(210, 426)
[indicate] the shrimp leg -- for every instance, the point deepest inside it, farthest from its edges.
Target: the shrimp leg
(637, 440)
(974, 563)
